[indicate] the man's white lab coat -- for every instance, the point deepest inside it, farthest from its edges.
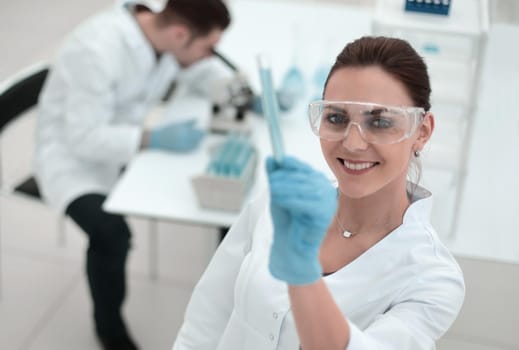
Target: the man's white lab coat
(102, 85)
(401, 294)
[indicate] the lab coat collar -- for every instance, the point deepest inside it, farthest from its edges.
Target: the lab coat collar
(135, 38)
(418, 213)
(138, 41)
(421, 204)
(383, 256)
(153, 5)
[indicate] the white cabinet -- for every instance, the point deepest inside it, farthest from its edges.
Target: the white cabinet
(453, 49)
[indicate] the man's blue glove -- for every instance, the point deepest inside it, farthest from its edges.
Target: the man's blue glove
(302, 205)
(177, 137)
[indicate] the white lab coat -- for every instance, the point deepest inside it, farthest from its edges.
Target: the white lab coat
(401, 294)
(104, 82)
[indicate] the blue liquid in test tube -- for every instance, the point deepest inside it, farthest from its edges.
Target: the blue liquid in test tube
(243, 156)
(271, 108)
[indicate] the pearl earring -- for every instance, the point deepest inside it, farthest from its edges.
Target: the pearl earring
(417, 153)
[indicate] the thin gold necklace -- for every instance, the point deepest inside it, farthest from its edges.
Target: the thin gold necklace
(345, 233)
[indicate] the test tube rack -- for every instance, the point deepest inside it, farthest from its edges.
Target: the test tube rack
(225, 192)
(438, 7)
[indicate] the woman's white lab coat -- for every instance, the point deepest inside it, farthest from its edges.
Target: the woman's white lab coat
(401, 294)
(103, 83)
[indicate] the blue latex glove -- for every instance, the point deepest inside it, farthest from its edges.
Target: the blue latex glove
(177, 137)
(302, 205)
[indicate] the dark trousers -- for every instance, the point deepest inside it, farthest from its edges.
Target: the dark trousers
(109, 242)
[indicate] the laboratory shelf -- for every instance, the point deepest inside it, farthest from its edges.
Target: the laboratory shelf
(452, 47)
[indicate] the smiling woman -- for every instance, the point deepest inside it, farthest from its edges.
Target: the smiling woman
(355, 267)
(381, 136)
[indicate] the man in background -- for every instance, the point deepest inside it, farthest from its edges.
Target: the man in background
(110, 72)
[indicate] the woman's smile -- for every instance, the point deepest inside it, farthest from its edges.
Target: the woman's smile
(356, 167)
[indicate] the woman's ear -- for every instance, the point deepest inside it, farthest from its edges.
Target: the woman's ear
(424, 131)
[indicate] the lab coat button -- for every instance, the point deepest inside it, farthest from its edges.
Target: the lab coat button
(271, 337)
(275, 315)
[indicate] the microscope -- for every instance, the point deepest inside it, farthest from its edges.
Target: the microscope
(231, 102)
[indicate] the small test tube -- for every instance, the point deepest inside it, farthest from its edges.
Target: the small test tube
(242, 158)
(270, 108)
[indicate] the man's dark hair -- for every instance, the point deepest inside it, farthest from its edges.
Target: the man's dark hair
(201, 16)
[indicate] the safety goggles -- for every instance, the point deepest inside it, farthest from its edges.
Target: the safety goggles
(377, 124)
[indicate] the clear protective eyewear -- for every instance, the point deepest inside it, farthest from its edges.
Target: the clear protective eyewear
(377, 124)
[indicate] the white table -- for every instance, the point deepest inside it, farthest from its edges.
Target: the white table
(157, 184)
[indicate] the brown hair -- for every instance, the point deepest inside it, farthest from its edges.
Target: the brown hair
(394, 56)
(201, 16)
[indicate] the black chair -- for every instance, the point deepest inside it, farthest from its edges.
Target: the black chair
(17, 96)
